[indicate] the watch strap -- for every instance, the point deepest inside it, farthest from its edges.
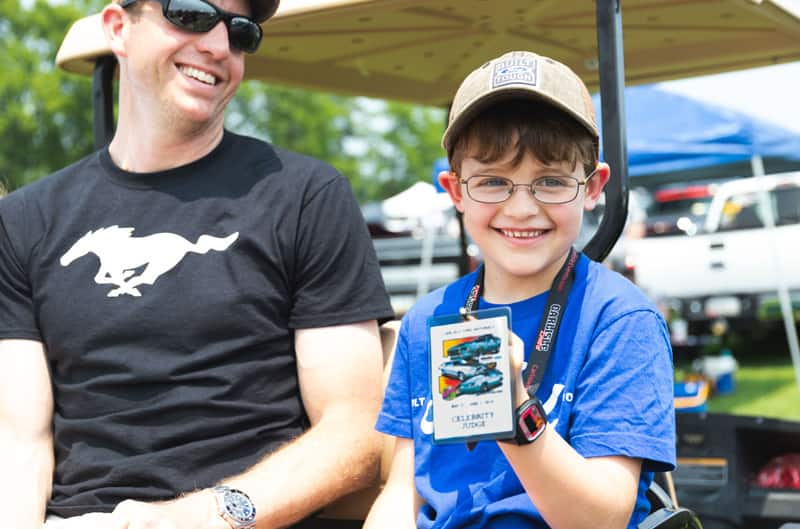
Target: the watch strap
(221, 492)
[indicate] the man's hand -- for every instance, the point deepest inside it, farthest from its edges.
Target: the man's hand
(195, 511)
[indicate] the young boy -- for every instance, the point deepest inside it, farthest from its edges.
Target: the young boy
(522, 142)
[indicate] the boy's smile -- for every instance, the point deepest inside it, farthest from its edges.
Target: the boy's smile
(523, 241)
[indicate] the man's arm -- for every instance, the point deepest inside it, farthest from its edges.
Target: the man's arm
(339, 370)
(26, 439)
(398, 503)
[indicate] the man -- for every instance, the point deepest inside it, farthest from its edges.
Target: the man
(176, 310)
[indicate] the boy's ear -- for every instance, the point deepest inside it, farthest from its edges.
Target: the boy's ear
(449, 181)
(115, 22)
(595, 185)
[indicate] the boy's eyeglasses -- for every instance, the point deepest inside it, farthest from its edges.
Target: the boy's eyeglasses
(199, 16)
(490, 189)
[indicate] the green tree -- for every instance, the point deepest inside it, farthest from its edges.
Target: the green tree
(45, 122)
(404, 141)
(381, 147)
(311, 123)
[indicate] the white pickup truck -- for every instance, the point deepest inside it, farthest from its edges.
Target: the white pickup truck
(732, 268)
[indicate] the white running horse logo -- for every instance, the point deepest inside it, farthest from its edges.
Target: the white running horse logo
(121, 255)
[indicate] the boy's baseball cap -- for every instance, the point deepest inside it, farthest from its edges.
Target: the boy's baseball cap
(520, 74)
(263, 9)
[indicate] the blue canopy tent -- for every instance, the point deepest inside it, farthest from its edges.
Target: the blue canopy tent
(674, 138)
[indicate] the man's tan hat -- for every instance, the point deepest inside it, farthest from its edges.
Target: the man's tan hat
(520, 74)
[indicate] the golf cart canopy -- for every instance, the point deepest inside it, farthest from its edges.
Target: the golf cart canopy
(420, 50)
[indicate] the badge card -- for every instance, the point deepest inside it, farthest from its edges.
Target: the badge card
(470, 370)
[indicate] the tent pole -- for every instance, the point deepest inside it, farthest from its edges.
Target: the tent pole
(612, 96)
(757, 164)
(784, 298)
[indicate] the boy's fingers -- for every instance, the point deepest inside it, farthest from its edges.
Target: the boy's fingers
(517, 352)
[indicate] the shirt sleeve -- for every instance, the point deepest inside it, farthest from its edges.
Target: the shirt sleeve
(624, 395)
(337, 279)
(17, 316)
(395, 415)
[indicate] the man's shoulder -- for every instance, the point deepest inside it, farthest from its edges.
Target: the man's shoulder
(54, 186)
(293, 163)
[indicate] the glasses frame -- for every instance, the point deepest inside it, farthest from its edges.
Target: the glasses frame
(222, 16)
(528, 186)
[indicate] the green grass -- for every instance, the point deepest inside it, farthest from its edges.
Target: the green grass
(767, 389)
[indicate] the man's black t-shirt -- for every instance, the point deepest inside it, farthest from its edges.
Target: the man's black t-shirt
(167, 303)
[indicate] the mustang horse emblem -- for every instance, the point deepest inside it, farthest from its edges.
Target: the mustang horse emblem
(122, 255)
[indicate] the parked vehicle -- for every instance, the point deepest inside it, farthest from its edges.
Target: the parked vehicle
(733, 267)
(418, 252)
(678, 210)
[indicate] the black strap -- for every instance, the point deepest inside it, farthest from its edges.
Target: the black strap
(551, 320)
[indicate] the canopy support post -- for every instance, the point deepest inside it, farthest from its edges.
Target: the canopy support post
(103, 100)
(615, 150)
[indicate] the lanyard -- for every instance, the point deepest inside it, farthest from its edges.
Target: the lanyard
(551, 320)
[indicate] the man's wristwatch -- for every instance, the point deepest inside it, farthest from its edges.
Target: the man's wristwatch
(235, 507)
(531, 422)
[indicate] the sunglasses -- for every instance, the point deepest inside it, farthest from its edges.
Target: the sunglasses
(199, 16)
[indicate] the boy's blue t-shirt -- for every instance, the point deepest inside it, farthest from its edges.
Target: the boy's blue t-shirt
(607, 390)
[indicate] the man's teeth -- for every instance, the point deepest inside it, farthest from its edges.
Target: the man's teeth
(521, 234)
(203, 77)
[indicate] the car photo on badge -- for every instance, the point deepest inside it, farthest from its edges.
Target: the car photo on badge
(483, 344)
(462, 370)
(482, 383)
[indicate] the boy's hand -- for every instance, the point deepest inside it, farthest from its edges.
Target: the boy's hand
(517, 347)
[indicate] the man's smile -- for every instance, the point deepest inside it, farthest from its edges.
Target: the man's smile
(199, 75)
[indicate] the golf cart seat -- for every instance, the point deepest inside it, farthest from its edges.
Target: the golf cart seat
(354, 507)
(664, 514)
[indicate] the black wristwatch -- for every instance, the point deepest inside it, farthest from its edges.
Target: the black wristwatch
(531, 422)
(235, 507)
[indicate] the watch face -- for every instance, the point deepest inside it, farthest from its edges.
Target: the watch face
(239, 506)
(532, 420)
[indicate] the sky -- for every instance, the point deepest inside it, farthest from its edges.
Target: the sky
(771, 93)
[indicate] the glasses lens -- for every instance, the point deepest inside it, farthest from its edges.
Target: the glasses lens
(244, 34)
(192, 15)
(555, 189)
(489, 189)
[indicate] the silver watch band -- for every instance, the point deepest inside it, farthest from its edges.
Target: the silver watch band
(235, 507)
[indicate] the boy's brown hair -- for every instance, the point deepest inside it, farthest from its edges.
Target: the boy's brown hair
(523, 126)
